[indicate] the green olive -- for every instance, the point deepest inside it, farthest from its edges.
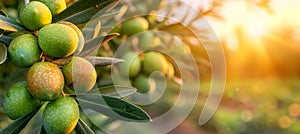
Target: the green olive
(132, 65)
(155, 61)
(135, 25)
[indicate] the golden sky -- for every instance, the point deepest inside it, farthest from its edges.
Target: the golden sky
(255, 20)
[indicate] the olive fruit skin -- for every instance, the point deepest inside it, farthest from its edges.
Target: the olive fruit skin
(135, 25)
(61, 116)
(148, 40)
(45, 81)
(80, 74)
(12, 13)
(142, 84)
(19, 102)
(131, 65)
(171, 71)
(24, 50)
(80, 45)
(58, 40)
(155, 61)
(55, 6)
(35, 15)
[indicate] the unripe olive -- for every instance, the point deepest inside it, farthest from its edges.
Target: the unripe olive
(171, 70)
(148, 40)
(24, 50)
(116, 29)
(45, 81)
(80, 45)
(152, 18)
(58, 40)
(55, 6)
(19, 102)
(61, 116)
(135, 25)
(142, 83)
(12, 13)
(155, 61)
(35, 15)
(131, 65)
(80, 74)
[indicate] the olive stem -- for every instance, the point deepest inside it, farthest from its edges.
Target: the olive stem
(60, 62)
(64, 94)
(26, 2)
(42, 57)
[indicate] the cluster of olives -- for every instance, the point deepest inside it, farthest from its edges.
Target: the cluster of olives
(48, 82)
(139, 67)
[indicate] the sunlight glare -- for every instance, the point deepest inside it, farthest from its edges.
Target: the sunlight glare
(256, 30)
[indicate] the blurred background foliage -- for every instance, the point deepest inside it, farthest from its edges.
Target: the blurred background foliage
(260, 39)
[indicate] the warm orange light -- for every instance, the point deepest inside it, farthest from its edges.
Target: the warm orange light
(256, 30)
(294, 110)
(284, 122)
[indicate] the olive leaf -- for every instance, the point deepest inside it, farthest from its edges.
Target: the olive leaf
(87, 14)
(82, 10)
(43, 131)
(107, 15)
(4, 14)
(177, 29)
(5, 39)
(113, 107)
(92, 45)
(103, 61)
(18, 125)
(35, 124)
(3, 53)
(107, 20)
(83, 128)
(10, 24)
(116, 91)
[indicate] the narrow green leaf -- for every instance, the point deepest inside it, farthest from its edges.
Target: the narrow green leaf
(10, 24)
(18, 125)
(83, 16)
(177, 29)
(101, 131)
(107, 15)
(92, 45)
(103, 61)
(82, 10)
(3, 53)
(79, 128)
(83, 128)
(87, 14)
(114, 108)
(97, 29)
(43, 131)
(107, 18)
(5, 39)
(4, 14)
(34, 126)
(116, 91)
